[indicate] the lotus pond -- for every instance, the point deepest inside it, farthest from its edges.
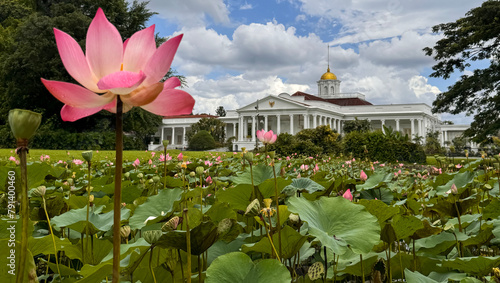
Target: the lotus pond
(234, 217)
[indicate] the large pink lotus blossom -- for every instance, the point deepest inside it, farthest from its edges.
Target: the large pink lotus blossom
(266, 137)
(110, 67)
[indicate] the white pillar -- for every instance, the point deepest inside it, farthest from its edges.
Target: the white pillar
(397, 125)
(306, 121)
(412, 128)
(234, 131)
(442, 138)
(240, 129)
(291, 124)
(265, 123)
(315, 118)
(420, 128)
(183, 135)
(253, 128)
(445, 136)
(161, 134)
(173, 135)
(382, 121)
(278, 124)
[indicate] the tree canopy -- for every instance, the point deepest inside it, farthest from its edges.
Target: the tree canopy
(214, 126)
(357, 125)
(473, 38)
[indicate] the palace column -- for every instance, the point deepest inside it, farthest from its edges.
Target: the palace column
(315, 121)
(382, 121)
(161, 134)
(445, 136)
(234, 131)
(183, 135)
(253, 128)
(291, 124)
(306, 121)
(240, 129)
(420, 128)
(442, 138)
(265, 123)
(173, 135)
(397, 125)
(412, 128)
(278, 124)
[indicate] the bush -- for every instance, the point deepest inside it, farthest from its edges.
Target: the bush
(321, 140)
(202, 140)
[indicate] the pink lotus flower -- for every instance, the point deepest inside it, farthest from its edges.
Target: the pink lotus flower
(208, 180)
(77, 161)
(110, 67)
(266, 137)
(347, 195)
(12, 158)
(363, 176)
(136, 162)
(180, 156)
(150, 162)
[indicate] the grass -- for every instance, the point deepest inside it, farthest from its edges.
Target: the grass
(128, 155)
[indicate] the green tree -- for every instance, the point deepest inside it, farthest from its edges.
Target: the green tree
(357, 125)
(214, 126)
(202, 140)
(220, 111)
(474, 37)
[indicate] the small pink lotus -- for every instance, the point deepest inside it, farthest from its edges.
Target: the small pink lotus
(363, 176)
(208, 180)
(266, 137)
(180, 156)
(347, 195)
(136, 162)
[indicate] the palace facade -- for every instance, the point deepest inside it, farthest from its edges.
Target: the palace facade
(291, 113)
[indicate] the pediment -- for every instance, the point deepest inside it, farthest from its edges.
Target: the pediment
(273, 102)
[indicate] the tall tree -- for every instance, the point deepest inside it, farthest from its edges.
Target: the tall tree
(220, 111)
(212, 125)
(472, 38)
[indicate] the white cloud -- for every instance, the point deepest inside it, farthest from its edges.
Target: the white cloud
(420, 87)
(191, 12)
(246, 6)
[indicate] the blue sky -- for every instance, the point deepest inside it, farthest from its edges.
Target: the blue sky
(236, 51)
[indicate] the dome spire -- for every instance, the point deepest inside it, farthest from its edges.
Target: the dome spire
(328, 75)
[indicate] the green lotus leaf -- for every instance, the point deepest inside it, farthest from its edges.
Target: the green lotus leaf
(220, 248)
(237, 197)
(492, 210)
(478, 266)
(95, 273)
(379, 209)
(45, 246)
(461, 180)
(219, 211)
(291, 242)
(202, 237)
(261, 172)
(337, 222)
(405, 226)
(238, 267)
(439, 243)
(376, 180)
(302, 185)
(417, 277)
(76, 219)
(159, 206)
(267, 187)
(383, 194)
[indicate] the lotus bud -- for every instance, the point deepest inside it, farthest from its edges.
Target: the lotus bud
(152, 236)
(125, 231)
(39, 192)
(253, 208)
(224, 226)
(140, 175)
(87, 155)
(184, 165)
(294, 218)
(171, 224)
(150, 181)
(91, 198)
(316, 270)
(466, 151)
(496, 272)
(272, 154)
(453, 190)
(363, 176)
(126, 175)
(156, 179)
(165, 143)
(192, 174)
(24, 123)
(200, 170)
(283, 172)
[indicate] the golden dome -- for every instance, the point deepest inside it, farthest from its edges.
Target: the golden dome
(328, 75)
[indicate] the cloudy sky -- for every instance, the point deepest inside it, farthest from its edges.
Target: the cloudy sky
(236, 51)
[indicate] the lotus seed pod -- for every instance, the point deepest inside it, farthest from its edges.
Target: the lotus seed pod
(152, 236)
(249, 157)
(140, 175)
(70, 181)
(125, 231)
(39, 192)
(87, 155)
(150, 181)
(156, 179)
(171, 224)
(126, 175)
(253, 208)
(267, 202)
(200, 170)
(316, 270)
(24, 123)
(91, 198)
(272, 154)
(224, 226)
(192, 174)
(165, 143)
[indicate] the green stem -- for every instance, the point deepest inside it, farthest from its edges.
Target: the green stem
(53, 239)
(118, 190)
(88, 208)
(362, 268)
(150, 265)
(276, 195)
(24, 211)
(188, 244)
(164, 167)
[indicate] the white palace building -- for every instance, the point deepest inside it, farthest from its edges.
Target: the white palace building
(292, 113)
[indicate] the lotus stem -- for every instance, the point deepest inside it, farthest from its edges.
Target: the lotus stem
(150, 264)
(326, 261)
(118, 190)
(53, 239)
(188, 244)
(22, 150)
(362, 268)
(270, 239)
(182, 268)
(276, 195)
(88, 208)
(164, 167)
